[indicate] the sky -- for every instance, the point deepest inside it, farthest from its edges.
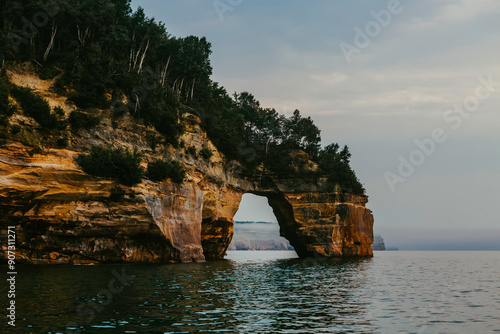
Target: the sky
(412, 87)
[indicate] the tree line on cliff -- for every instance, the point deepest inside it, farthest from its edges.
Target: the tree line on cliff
(105, 55)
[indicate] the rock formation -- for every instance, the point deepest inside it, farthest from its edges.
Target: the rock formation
(258, 235)
(378, 243)
(63, 215)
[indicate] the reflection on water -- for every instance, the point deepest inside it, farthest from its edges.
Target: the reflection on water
(266, 292)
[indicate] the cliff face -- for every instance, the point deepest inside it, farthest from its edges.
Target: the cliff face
(325, 224)
(63, 215)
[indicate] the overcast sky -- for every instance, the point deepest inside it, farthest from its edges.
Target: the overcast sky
(377, 86)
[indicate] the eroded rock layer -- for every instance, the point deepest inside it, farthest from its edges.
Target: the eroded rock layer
(62, 215)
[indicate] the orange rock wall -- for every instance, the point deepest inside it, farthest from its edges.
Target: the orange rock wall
(63, 215)
(331, 224)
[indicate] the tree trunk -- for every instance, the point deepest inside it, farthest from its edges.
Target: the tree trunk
(143, 56)
(192, 88)
(51, 43)
(137, 104)
(180, 86)
(83, 37)
(131, 57)
(164, 73)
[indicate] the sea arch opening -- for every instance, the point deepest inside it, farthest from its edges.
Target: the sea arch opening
(257, 227)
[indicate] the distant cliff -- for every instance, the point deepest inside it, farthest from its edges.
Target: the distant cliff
(258, 236)
(63, 215)
(378, 243)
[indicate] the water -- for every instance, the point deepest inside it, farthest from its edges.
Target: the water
(267, 292)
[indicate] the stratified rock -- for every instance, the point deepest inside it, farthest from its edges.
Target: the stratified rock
(325, 224)
(63, 215)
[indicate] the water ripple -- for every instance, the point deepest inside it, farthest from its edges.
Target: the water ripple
(259, 292)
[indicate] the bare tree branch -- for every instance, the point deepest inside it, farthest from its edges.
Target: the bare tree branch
(143, 56)
(51, 43)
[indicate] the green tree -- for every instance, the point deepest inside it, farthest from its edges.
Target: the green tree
(163, 169)
(124, 165)
(303, 134)
(36, 107)
(101, 52)
(6, 108)
(336, 165)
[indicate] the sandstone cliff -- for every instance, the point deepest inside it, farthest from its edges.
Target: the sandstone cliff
(63, 215)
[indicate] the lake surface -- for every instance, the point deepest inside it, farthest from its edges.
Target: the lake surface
(266, 292)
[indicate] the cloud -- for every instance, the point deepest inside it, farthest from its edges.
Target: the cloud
(467, 10)
(428, 59)
(443, 14)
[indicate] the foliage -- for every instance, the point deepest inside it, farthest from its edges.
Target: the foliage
(206, 153)
(80, 120)
(335, 163)
(158, 109)
(162, 169)
(102, 49)
(6, 108)
(245, 131)
(4, 122)
(103, 54)
(90, 90)
(15, 129)
(124, 165)
(62, 142)
(58, 111)
(36, 107)
(191, 150)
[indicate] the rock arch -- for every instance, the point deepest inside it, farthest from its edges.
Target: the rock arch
(63, 215)
(316, 224)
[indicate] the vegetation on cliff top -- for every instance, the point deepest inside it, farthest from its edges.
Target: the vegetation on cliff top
(104, 55)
